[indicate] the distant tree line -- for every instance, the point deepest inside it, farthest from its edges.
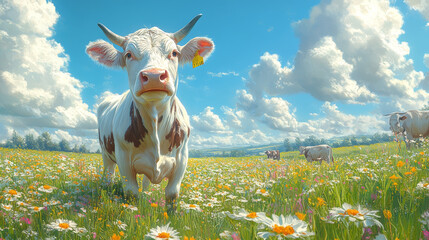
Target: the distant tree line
(344, 142)
(42, 142)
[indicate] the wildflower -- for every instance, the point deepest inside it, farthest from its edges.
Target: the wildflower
(6, 207)
(423, 186)
(35, 209)
(387, 214)
(194, 207)
(299, 215)
(400, 164)
(46, 188)
(121, 225)
(262, 192)
(289, 227)
(130, 207)
(62, 225)
(242, 214)
(320, 202)
(115, 237)
(163, 232)
(154, 205)
(393, 177)
(355, 214)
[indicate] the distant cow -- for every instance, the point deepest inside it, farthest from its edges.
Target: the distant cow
(412, 124)
(317, 153)
(274, 154)
(146, 129)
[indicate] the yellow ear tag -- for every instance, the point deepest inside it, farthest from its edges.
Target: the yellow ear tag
(198, 60)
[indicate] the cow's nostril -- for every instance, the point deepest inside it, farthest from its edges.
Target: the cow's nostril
(163, 76)
(143, 77)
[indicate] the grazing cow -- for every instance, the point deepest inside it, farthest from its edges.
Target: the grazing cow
(274, 154)
(146, 129)
(317, 153)
(269, 154)
(412, 124)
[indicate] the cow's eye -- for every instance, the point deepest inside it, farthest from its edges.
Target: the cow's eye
(174, 54)
(128, 55)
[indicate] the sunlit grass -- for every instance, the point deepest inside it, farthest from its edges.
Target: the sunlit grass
(53, 194)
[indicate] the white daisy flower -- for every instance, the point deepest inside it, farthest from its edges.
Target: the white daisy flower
(194, 207)
(262, 192)
(62, 225)
(163, 233)
(355, 214)
(241, 214)
(121, 224)
(423, 186)
(34, 209)
(6, 207)
(46, 188)
(285, 227)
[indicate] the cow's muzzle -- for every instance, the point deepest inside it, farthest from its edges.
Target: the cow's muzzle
(153, 80)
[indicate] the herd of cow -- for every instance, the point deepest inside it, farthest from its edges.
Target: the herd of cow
(146, 129)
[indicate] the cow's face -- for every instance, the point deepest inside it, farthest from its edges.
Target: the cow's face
(301, 150)
(396, 123)
(151, 58)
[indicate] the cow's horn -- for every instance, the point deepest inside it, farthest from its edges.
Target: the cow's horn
(115, 38)
(181, 34)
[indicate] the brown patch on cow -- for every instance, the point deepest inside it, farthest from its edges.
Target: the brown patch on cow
(160, 119)
(189, 132)
(176, 135)
(109, 143)
(136, 131)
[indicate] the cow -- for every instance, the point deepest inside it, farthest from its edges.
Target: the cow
(269, 154)
(274, 154)
(317, 153)
(413, 124)
(146, 129)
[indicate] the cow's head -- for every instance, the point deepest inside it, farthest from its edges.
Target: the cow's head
(151, 57)
(396, 121)
(302, 150)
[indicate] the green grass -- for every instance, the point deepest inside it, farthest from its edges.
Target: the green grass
(293, 186)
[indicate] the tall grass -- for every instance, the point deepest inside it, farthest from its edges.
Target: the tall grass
(377, 177)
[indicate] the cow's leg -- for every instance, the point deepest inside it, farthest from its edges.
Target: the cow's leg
(109, 168)
(409, 140)
(173, 187)
(128, 175)
(145, 183)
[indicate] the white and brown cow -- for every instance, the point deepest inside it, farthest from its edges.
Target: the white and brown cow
(146, 129)
(412, 124)
(317, 153)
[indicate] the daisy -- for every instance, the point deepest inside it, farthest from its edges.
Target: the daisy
(285, 227)
(121, 225)
(355, 214)
(34, 209)
(130, 207)
(194, 207)
(163, 232)
(6, 207)
(62, 225)
(46, 188)
(242, 214)
(423, 186)
(262, 192)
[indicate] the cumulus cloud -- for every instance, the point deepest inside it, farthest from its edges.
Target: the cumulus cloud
(349, 51)
(419, 5)
(207, 121)
(37, 91)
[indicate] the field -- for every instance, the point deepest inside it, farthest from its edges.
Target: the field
(54, 195)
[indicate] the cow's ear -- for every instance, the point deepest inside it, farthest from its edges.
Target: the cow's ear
(104, 53)
(403, 118)
(203, 45)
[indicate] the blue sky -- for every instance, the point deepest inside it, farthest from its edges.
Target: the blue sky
(280, 69)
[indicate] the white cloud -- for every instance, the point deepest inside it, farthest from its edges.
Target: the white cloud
(419, 5)
(223, 74)
(37, 91)
(349, 51)
(207, 121)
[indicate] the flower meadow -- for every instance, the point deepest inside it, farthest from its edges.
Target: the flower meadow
(369, 192)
